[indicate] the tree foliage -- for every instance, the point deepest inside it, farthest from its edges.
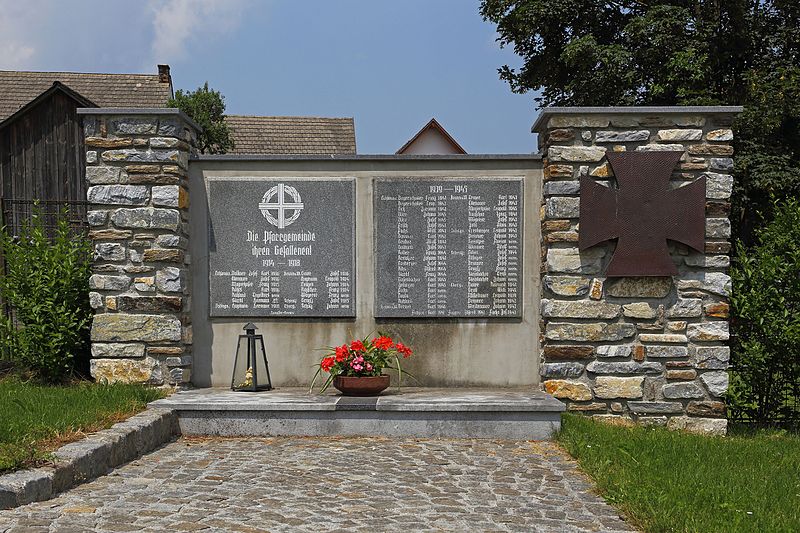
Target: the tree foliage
(672, 52)
(206, 107)
(766, 324)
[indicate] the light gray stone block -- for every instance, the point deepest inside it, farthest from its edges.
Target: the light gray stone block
(105, 175)
(130, 350)
(109, 283)
(712, 357)
(562, 207)
(715, 382)
(614, 351)
(579, 309)
(165, 195)
(667, 351)
(622, 136)
(682, 390)
(561, 188)
(561, 370)
(680, 135)
(708, 331)
(590, 154)
(718, 186)
(118, 195)
(147, 218)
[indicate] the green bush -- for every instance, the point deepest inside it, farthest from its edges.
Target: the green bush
(766, 320)
(46, 287)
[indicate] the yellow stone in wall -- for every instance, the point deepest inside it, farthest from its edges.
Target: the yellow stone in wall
(570, 390)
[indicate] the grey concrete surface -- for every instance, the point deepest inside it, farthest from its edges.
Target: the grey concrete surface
(332, 484)
(417, 412)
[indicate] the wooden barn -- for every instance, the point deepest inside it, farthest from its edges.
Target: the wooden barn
(42, 156)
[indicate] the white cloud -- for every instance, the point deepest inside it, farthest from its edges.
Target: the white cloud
(17, 48)
(178, 23)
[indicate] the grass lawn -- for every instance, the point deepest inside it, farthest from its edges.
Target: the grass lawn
(37, 419)
(672, 481)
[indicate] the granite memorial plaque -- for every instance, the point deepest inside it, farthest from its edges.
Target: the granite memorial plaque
(448, 247)
(281, 247)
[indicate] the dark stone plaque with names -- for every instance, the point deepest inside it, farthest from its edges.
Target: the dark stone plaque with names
(448, 247)
(281, 247)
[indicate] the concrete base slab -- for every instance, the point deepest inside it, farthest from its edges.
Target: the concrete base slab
(411, 412)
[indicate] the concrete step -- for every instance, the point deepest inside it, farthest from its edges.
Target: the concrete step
(410, 412)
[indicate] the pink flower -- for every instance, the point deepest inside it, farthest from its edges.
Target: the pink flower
(369, 367)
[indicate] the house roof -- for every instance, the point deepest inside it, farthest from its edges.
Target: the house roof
(433, 124)
(292, 135)
(56, 87)
(106, 90)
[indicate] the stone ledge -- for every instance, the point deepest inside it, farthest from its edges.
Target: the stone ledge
(408, 399)
(548, 112)
(83, 460)
(146, 111)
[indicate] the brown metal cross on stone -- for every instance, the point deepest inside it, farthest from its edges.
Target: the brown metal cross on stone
(642, 213)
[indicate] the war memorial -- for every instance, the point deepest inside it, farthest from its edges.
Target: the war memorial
(590, 275)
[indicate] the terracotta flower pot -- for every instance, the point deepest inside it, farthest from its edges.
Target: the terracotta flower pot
(361, 386)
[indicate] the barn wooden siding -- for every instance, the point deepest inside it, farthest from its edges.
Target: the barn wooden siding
(42, 157)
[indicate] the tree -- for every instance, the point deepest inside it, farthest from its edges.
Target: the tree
(766, 306)
(206, 107)
(672, 52)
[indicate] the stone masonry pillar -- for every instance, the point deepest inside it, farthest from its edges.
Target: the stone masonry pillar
(137, 163)
(651, 349)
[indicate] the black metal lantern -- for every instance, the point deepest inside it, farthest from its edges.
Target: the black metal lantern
(248, 372)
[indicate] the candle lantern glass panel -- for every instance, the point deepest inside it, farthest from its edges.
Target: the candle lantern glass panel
(250, 366)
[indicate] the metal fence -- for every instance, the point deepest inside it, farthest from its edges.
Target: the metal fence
(15, 212)
(787, 414)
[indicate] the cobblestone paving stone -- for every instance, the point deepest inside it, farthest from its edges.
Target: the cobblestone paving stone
(331, 484)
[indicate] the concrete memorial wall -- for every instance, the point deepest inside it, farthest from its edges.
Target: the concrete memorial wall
(449, 253)
(456, 255)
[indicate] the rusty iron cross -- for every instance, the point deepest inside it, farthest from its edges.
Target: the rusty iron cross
(642, 213)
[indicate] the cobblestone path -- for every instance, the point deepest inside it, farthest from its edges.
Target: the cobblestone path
(331, 484)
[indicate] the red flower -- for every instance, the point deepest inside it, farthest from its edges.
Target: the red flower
(327, 364)
(403, 349)
(383, 342)
(357, 346)
(341, 353)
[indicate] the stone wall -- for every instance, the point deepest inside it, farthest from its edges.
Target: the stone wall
(137, 171)
(652, 349)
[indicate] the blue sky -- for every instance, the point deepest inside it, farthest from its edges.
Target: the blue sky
(392, 65)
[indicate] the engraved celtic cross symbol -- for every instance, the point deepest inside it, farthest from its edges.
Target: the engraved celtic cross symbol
(642, 213)
(277, 210)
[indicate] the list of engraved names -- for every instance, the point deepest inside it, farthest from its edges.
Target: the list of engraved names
(448, 248)
(279, 250)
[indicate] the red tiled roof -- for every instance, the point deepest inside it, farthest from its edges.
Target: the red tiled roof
(106, 90)
(292, 135)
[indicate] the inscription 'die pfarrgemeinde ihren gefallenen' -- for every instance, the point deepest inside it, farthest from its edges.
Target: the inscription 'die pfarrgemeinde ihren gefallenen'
(448, 247)
(281, 247)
